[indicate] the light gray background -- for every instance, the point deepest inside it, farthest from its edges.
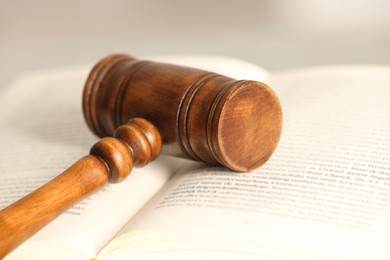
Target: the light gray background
(276, 34)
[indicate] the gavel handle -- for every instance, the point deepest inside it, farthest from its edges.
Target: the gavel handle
(110, 160)
(28, 215)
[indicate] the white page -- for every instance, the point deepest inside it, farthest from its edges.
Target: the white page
(324, 194)
(43, 132)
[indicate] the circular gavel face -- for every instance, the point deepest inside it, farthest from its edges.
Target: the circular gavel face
(247, 126)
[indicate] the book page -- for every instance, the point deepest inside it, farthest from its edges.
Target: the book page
(43, 132)
(325, 193)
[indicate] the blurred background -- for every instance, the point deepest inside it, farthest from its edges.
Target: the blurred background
(275, 34)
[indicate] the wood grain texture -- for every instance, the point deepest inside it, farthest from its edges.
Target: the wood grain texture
(201, 115)
(110, 160)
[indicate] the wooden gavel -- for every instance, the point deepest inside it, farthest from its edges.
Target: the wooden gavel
(148, 107)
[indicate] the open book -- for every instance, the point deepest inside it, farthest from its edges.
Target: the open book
(325, 193)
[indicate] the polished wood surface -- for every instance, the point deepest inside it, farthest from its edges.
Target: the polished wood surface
(189, 112)
(110, 160)
(201, 115)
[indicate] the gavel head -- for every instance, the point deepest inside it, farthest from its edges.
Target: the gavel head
(200, 115)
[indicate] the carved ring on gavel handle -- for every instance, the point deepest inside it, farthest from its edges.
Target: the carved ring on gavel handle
(111, 160)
